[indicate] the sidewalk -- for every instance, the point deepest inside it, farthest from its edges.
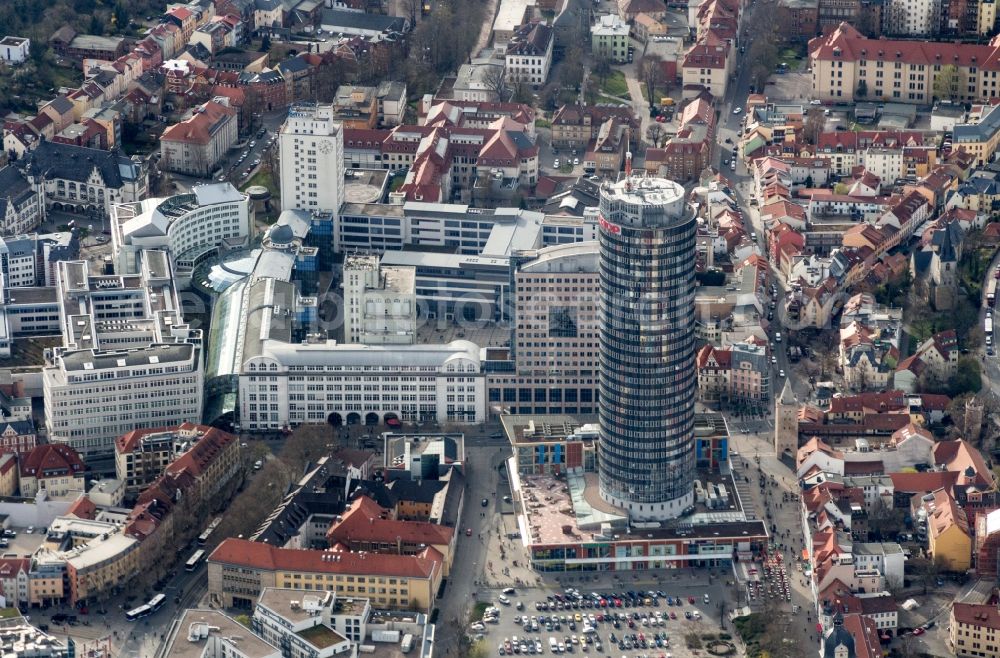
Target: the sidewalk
(639, 104)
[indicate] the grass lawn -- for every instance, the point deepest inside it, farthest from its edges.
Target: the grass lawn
(607, 99)
(63, 76)
(478, 611)
(615, 85)
(543, 123)
(265, 178)
(751, 629)
(8, 613)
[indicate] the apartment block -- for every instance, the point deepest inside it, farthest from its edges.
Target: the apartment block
(142, 456)
(609, 37)
(974, 630)
(844, 61)
(305, 626)
(196, 145)
(529, 54)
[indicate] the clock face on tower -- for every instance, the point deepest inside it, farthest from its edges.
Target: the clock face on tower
(326, 147)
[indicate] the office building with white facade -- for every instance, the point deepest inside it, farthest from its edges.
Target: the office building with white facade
(311, 153)
(456, 286)
(468, 230)
(92, 396)
(553, 364)
(305, 625)
(380, 305)
(128, 360)
(284, 383)
(30, 259)
(190, 227)
(14, 50)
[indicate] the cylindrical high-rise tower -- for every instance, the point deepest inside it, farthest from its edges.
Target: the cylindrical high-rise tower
(647, 338)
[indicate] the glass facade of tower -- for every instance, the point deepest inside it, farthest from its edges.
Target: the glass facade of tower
(648, 380)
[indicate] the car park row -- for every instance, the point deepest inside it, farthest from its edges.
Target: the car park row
(571, 625)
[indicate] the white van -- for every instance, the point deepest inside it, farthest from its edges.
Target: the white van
(553, 645)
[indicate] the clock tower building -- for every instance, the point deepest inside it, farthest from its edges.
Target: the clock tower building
(312, 160)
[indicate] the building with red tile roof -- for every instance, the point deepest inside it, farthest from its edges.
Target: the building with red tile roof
(949, 535)
(843, 58)
(56, 468)
(438, 157)
(969, 624)
(195, 145)
(364, 526)
(238, 570)
(961, 457)
(15, 581)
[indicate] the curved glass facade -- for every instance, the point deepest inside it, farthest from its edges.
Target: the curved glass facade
(647, 339)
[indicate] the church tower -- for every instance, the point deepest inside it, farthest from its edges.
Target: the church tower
(786, 422)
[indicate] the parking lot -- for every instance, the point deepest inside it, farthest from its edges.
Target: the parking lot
(625, 622)
(21, 544)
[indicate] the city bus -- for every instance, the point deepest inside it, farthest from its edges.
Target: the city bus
(138, 613)
(195, 560)
(156, 602)
(203, 537)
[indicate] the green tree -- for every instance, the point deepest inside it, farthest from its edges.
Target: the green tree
(968, 378)
(265, 44)
(96, 25)
(862, 89)
(948, 83)
(121, 16)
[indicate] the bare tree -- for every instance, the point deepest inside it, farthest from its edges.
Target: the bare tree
(651, 73)
(653, 134)
(948, 83)
(601, 68)
(306, 444)
(411, 7)
(495, 79)
(814, 125)
(926, 571)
